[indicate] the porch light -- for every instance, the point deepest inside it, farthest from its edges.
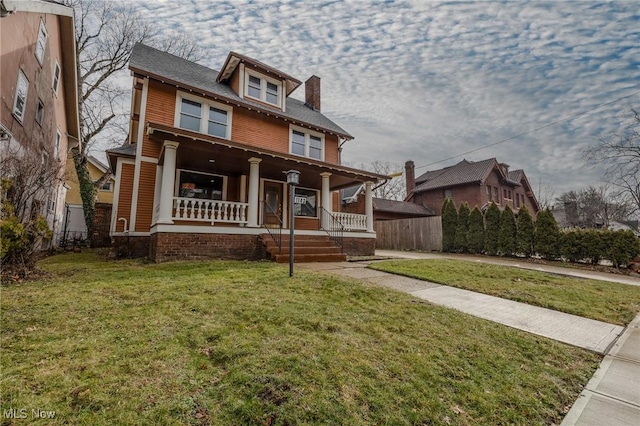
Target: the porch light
(293, 179)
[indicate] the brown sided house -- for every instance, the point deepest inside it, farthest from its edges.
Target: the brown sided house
(202, 175)
(476, 183)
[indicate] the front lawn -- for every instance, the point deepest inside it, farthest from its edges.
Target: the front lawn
(105, 342)
(600, 300)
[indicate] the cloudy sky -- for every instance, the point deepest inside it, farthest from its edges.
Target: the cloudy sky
(426, 81)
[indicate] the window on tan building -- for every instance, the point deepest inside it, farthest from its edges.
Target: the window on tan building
(41, 43)
(20, 99)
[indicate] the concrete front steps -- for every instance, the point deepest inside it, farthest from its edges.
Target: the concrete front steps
(308, 248)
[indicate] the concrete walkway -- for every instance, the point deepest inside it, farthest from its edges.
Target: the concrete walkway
(596, 275)
(612, 396)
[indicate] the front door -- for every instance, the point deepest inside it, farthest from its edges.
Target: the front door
(272, 206)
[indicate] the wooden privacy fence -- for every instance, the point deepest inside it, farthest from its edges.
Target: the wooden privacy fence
(423, 233)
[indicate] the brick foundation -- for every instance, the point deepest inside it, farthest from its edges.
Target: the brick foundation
(360, 246)
(175, 246)
(130, 246)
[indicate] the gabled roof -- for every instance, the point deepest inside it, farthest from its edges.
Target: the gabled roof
(126, 150)
(462, 173)
(234, 59)
(401, 207)
(350, 194)
(201, 80)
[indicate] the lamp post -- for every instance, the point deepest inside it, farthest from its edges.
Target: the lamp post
(293, 178)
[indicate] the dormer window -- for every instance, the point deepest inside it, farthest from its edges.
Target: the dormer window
(263, 89)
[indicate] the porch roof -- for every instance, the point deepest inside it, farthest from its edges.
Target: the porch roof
(202, 152)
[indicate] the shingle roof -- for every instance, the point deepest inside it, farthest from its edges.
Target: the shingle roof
(161, 65)
(461, 173)
(516, 175)
(401, 207)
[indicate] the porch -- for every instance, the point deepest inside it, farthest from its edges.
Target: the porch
(207, 185)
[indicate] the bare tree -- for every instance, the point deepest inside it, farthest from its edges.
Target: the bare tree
(28, 179)
(594, 207)
(106, 32)
(620, 155)
(394, 189)
(545, 194)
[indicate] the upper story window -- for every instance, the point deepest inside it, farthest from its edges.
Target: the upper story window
(56, 77)
(39, 112)
(56, 145)
(106, 186)
(448, 193)
(21, 96)
(307, 143)
(263, 88)
(204, 116)
(41, 43)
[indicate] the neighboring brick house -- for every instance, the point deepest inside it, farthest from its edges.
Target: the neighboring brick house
(353, 201)
(475, 183)
(202, 174)
(39, 109)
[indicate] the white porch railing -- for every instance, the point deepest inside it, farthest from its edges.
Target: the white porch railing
(351, 221)
(209, 210)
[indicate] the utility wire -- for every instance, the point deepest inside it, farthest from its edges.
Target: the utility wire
(553, 123)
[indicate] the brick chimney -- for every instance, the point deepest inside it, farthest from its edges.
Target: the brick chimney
(312, 92)
(410, 176)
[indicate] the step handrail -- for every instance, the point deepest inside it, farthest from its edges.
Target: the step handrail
(275, 235)
(334, 228)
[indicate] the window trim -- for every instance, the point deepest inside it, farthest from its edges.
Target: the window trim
(42, 30)
(176, 189)
(57, 71)
(263, 87)
(307, 141)
(39, 112)
(204, 117)
(56, 145)
(20, 117)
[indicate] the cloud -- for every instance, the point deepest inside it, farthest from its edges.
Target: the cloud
(430, 80)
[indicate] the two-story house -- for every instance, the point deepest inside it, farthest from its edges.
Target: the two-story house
(476, 183)
(39, 104)
(202, 175)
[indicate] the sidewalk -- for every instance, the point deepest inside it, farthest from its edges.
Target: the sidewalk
(612, 396)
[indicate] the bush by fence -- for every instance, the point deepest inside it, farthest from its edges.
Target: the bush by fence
(500, 233)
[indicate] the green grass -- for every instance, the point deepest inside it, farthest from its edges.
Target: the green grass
(105, 342)
(600, 300)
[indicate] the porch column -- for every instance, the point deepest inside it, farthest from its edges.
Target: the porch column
(368, 206)
(254, 192)
(168, 179)
(326, 201)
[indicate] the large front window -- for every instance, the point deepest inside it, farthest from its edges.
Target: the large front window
(305, 202)
(307, 144)
(201, 115)
(201, 185)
